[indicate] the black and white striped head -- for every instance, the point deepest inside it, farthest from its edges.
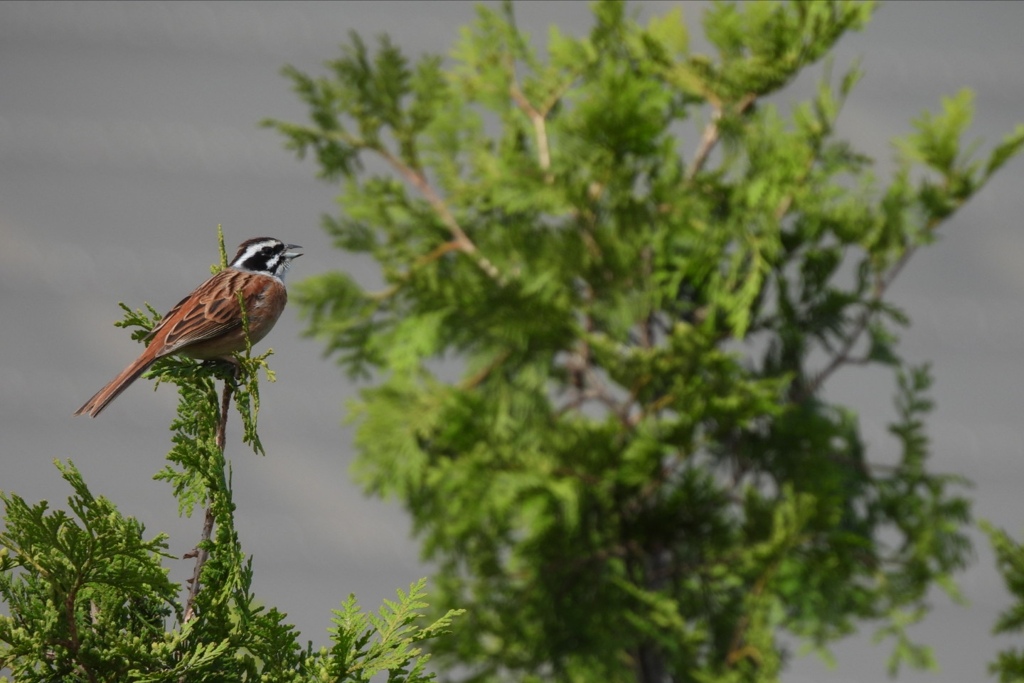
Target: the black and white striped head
(265, 255)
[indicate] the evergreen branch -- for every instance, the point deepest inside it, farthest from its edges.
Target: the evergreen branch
(882, 283)
(712, 132)
(201, 552)
(478, 378)
(845, 354)
(460, 240)
(590, 387)
(708, 139)
(647, 333)
(538, 119)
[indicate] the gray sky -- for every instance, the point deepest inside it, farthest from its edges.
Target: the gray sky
(129, 131)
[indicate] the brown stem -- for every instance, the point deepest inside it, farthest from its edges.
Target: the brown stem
(459, 237)
(712, 133)
(647, 271)
(537, 118)
(74, 643)
(200, 552)
(417, 179)
(480, 376)
(844, 356)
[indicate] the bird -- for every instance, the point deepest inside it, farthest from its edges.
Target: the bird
(207, 324)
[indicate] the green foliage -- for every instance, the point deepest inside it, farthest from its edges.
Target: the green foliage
(366, 645)
(88, 599)
(85, 592)
(1009, 663)
(637, 473)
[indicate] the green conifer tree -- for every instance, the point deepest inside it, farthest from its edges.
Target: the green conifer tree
(643, 274)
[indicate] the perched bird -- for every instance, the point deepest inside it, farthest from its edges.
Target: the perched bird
(207, 323)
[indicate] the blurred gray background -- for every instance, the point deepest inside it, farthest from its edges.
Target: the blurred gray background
(128, 131)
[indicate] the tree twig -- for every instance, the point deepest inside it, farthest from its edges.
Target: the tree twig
(712, 133)
(460, 240)
(537, 118)
(200, 552)
(844, 357)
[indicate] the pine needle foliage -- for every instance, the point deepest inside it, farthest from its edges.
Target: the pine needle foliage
(617, 281)
(86, 597)
(1009, 662)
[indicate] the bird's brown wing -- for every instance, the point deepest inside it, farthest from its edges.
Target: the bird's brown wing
(210, 310)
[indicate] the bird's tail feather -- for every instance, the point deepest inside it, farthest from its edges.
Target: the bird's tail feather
(113, 389)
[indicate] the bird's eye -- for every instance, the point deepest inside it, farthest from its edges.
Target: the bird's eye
(267, 251)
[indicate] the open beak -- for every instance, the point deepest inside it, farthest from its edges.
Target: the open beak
(289, 253)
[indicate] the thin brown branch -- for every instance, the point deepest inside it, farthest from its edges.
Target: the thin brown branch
(437, 253)
(69, 617)
(707, 142)
(478, 378)
(589, 387)
(200, 552)
(712, 133)
(416, 178)
(646, 271)
(844, 357)
(74, 643)
(538, 119)
(738, 650)
(581, 397)
(594, 389)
